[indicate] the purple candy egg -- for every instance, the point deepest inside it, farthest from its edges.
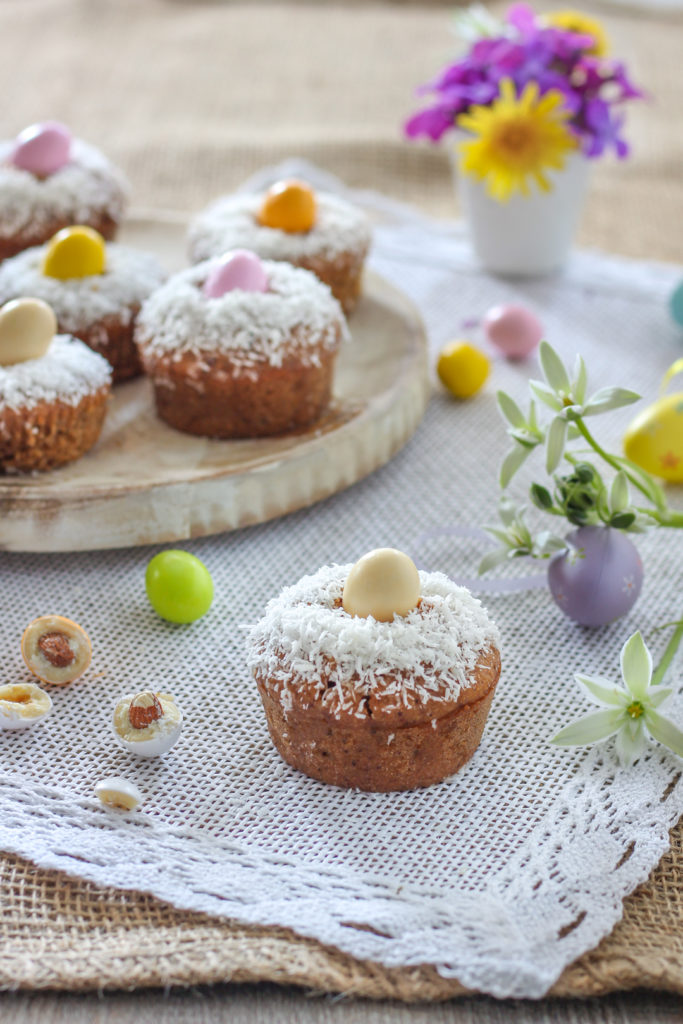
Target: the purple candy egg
(42, 148)
(598, 580)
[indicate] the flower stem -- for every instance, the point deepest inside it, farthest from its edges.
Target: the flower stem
(609, 459)
(668, 655)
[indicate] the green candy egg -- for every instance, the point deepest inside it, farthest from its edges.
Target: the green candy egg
(179, 586)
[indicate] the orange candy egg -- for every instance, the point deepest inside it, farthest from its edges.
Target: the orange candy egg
(289, 206)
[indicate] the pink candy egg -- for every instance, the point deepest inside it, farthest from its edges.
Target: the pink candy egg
(514, 330)
(238, 269)
(42, 148)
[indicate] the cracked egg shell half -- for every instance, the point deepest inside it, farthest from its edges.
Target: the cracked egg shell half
(57, 650)
(147, 723)
(119, 793)
(23, 705)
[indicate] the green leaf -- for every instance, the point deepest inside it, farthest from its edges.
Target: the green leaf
(510, 410)
(492, 559)
(553, 368)
(541, 497)
(636, 666)
(609, 398)
(546, 395)
(557, 436)
(622, 520)
(602, 691)
(664, 731)
(648, 483)
(511, 463)
(501, 535)
(597, 726)
(618, 495)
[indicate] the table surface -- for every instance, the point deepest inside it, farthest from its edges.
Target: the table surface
(190, 98)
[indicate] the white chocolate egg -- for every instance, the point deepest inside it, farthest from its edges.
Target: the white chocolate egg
(152, 737)
(27, 326)
(22, 705)
(383, 583)
(119, 793)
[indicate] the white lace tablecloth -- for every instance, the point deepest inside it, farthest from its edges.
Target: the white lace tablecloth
(500, 876)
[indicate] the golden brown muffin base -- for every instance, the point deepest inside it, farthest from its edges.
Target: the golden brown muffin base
(343, 275)
(31, 236)
(114, 340)
(200, 393)
(50, 434)
(387, 751)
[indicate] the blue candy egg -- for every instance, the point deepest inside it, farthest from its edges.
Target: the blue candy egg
(676, 304)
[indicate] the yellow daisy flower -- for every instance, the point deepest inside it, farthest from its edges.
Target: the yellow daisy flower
(583, 25)
(517, 138)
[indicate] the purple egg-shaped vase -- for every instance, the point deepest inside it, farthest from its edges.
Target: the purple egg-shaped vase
(598, 579)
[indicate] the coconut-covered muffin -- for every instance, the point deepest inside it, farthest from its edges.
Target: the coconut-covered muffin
(237, 348)
(368, 704)
(52, 407)
(318, 231)
(48, 180)
(95, 289)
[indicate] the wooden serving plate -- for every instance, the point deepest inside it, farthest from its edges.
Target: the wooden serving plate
(146, 483)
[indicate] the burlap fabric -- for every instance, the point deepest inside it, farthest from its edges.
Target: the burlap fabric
(190, 98)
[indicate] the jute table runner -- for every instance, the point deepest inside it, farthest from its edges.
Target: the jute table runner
(190, 98)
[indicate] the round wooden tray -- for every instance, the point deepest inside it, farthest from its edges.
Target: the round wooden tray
(145, 483)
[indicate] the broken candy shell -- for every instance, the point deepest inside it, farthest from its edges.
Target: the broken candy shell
(56, 649)
(23, 705)
(118, 793)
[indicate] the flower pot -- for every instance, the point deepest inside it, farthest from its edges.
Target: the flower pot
(528, 235)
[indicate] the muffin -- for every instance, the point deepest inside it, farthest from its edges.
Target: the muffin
(320, 232)
(48, 180)
(253, 358)
(53, 391)
(95, 290)
(368, 704)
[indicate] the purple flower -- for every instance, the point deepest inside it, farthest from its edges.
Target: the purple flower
(530, 51)
(432, 122)
(603, 130)
(521, 17)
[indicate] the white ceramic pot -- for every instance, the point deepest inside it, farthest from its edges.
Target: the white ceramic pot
(528, 235)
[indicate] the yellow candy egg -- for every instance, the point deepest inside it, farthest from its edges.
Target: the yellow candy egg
(289, 206)
(654, 440)
(462, 368)
(383, 583)
(78, 251)
(27, 326)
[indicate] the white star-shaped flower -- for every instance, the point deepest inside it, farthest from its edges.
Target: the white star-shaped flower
(629, 712)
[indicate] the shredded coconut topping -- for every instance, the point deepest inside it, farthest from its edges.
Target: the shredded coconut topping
(88, 185)
(79, 302)
(68, 371)
(306, 636)
(297, 315)
(231, 223)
